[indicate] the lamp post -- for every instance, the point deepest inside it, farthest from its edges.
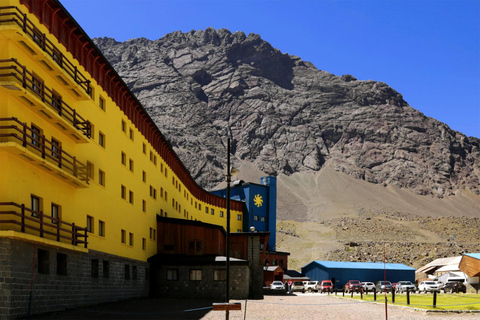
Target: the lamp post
(227, 292)
(252, 230)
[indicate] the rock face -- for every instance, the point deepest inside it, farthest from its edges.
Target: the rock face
(285, 116)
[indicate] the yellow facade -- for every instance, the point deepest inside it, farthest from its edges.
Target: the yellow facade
(113, 178)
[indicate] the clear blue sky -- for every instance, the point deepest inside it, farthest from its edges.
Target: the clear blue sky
(429, 51)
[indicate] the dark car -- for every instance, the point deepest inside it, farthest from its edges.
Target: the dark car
(383, 286)
(353, 286)
(454, 286)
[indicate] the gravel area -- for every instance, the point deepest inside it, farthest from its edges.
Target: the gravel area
(297, 306)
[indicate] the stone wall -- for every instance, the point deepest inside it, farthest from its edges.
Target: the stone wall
(37, 278)
(207, 287)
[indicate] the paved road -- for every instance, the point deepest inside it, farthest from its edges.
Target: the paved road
(291, 307)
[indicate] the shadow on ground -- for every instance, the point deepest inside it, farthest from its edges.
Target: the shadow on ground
(148, 308)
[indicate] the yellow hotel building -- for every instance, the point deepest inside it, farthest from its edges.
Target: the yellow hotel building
(84, 170)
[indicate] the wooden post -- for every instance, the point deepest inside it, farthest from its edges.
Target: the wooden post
(408, 296)
(393, 296)
(74, 236)
(41, 224)
(86, 237)
(435, 298)
(58, 229)
(23, 218)
(374, 294)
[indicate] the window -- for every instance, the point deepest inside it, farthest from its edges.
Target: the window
(130, 196)
(155, 231)
(124, 158)
(262, 219)
(43, 261)
(36, 134)
(56, 153)
(239, 217)
(94, 268)
(101, 228)
(130, 239)
(219, 275)
(55, 210)
(35, 205)
(221, 213)
(151, 233)
(195, 247)
(200, 206)
(144, 148)
(124, 126)
(172, 274)
(206, 209)
(90, 172)
(56, 101)
(90, 224)
(127, 272)
(101, 103)
(255, 218)
(123, 192)
(144, 206)
(212, 211)
(101, 139)
(195, 274)
(155, 160)
(106, 269)
(61, 264)
(124, 236)
(144, 244)
(130, 164)
(37, 85)
(134, 272)
(101, 177)
(37, 36)
(131, 134)
(144, 176)
(56, 55)
(166, 195)
(238, 230)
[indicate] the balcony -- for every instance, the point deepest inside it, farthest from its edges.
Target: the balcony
(49, 156)
(43, 100)
(19, 218)
(12, 18)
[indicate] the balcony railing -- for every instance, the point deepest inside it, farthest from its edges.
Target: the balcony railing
(13, 15)
(11, 70)
(18, 217)
(11, 129)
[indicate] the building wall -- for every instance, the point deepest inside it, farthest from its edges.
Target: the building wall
(137, 182)
(52, 291)
(207, 287)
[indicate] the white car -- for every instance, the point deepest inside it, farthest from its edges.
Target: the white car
(277, 285)
(429, 286)
(370, 286)
(311, 286)
(404, 286)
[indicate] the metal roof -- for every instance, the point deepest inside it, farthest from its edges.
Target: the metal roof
(361, 265)
(473, 255)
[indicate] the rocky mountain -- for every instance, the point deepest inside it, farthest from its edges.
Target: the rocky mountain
(349, 154)
(285, 116)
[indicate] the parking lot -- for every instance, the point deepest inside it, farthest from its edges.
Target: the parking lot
(282, 306)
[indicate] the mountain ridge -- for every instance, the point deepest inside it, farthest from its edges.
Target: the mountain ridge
(287, 118)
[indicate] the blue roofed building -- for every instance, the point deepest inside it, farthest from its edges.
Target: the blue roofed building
(340, 272)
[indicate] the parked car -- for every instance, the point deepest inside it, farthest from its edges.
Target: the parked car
(382, 286)
(311, 286)
(454, 286)
(429, 286)
(368, 286)
(325, 286)
(353, 286)
(277, 285)
(298, 286)
(403, 286)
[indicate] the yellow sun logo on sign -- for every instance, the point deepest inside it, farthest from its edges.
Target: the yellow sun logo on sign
(258, 200)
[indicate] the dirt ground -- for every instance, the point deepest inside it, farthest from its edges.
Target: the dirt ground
(299, 306)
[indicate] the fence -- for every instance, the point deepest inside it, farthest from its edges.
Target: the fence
(11, 129)
(13, 15)
(18, 217)
(12, 70)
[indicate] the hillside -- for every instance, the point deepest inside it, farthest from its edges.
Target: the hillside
(356, 164)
